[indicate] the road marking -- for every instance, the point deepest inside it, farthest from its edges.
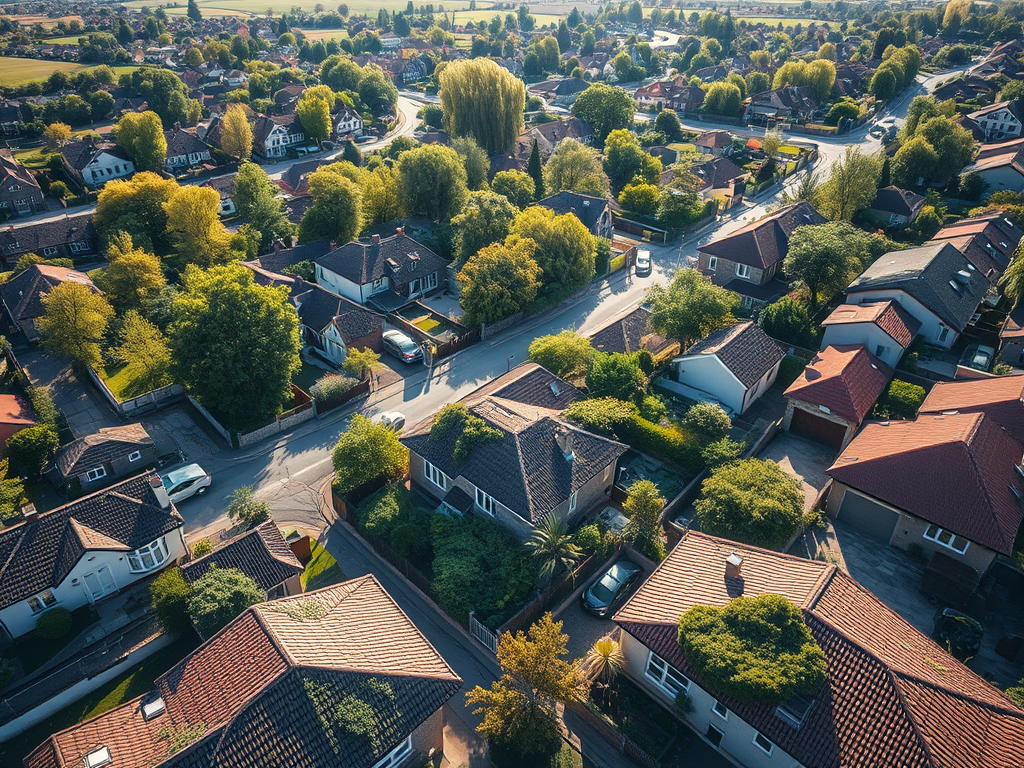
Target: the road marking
(311, 467)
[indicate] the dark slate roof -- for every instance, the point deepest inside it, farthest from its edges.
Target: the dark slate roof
(38, 555)
(766, 292)
(899, 201)
(94, 450)
(262, 554)
(530, 384)
(225, 185)
(797, 98)
(33, 238)
(264, 124)
(458, 499)
(78, 154)
(630, 334)
(743, 348)
(296, 172)
(926, 273)
(716, 172)
(12, 170)
(586, 208)
(280, 258)
(297, 207)
(23, 294)
(398, 257)
(764, 242)
(181, 142)
(319, 308)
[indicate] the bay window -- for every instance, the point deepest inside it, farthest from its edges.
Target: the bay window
(146, 558)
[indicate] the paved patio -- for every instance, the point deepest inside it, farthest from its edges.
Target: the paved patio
(801, 459)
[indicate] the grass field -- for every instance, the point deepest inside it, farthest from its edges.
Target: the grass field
(250, 8)
(44, 21)
(69, 40)
(15, 71)
(324, 34)
(321, 571)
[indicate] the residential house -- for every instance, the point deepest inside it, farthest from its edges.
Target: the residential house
(15, 415)
(19, 191)
(892, 696)
(234, 78)
(387, 272)
(749, 260)
(184, 149)
(92, 163)
(713, 142)
(885, 328)
(834, 394)
(561, 93)
(287, 97)
(268, 688)
(631, 333)
(711, 74)
(935, 283)
(719, 178)
(10, 117)
(1000, 121)
(262, 554)
(348, 123)
(225, 186)
(273, 135)
(895, 207)
(987, 240)
(732, 366)
(594, 212)
(282, 257)
(963, 88)
(540, 466)
(1002, 168)
(332, 325)
(675, 94)
(549, 135)
(86, 550)
(23, 294)
(96, 460)
(1000, 398)
(792, 104)
(295, 179)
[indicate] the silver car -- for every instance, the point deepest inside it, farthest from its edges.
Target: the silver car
(185, 482)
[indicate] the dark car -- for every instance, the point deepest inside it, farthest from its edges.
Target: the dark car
(958, 633)
(611, 588)
(979, 357)
(402, 347)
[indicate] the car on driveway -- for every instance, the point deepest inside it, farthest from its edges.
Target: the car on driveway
(185, 482)
(605, 594)
(402, 347)
(979, 357)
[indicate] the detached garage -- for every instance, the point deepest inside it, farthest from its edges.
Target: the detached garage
(817, 427)
(867, 516)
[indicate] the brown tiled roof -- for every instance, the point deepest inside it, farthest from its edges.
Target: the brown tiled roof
(764, 242)
(743, 348)
(629, 334)
(901, 326)
(38, 555)
(1000, 398)
(893, 697)
(23, 293)
(94, 450)
(530, 384)
(955, 471)
(262, 554)
(264, 690)
(847, 380)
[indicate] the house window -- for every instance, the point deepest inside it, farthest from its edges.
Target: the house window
(485, 502)
(572, 502)
(379, 284)
(946, 539)
(607, 473)
(50, 251)
(743, 270)
(712, 263)
(430, 281)
(746, 302)
(714, 736)
(721, 710)
(665, 676)
(147, 558)
(880, 351)
(97, 473)
(42, 601)
(763, 744)
(134, 455)
(435, 475)
(943, 333)
(397, 755)
(78, 246)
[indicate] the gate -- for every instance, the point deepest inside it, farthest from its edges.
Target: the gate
(486, 637)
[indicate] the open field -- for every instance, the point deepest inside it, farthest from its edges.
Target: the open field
(323, 34)
(15, 71)
(45, 21)
(250, 8)
(69, 40)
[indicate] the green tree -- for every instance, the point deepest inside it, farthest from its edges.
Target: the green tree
(606, 108)
(314, 114)
(57, 134)
(723, 99)
(567, 354)
(554, 547)
(432, 182)
(475, 161)
(615, 375)
(74, 321)
(753, 649)
(757, 82)
(145, 352)
(337, 210)
(689, 308)
(643, 507)
(12, 491)
(842, 110)
(136, 206)
(235, 344)
(33, 447)
(498, 281)
(787, 320)
(193, 12)
(132, 275)
(247, 510)
(517, 187)
(534, 170)
(193, 221)
(707, 421)
(220, 595)
(169, 595)
(953, 145)
(483, 101)
(644, 199)
(366, 452)
(823, 256)
(381, 202)
(486, 219)
(376, 90)
(1012, 281)
(625, 160)
(236, 133)
(667, 122)
(565, 247)
(883, 84)
(914, 163)
(519, 708)
(255, 198)
(851, 185)
(577, 168)
(751, 501)
(141, 135)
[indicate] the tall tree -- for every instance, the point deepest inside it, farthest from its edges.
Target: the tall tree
(141, 135)
(219, 596)
(575, 167)
(256, 199)
(484, 101)
(498, 281)
(487, 218)
(381, 200)
(235, 344)
(517, 187)
(643, 507)
(337, 211)
(625, 160)
(565, 247)
(366, 452)
(432, 181)
(136, 206)
(552, 544)
(193, 11)
(314, 114)
(823, 256)
(132, 275)
(852, 185)
(606, 108)
(145, 353)
(193, 220)
(567, 354)
(474, 160)
(690, 307)
(236, 133)
(533, 168)
(376, 90)
(74, 321)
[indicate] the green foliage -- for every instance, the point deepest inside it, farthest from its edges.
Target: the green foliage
(575, 167)
(721, 452)
(851, 185)
(367, 452)
(246, 509)
(602, 415)
(708, 421)
(643, 507)
(74, 321)
(474, 160)
(552, 545)
(787, 320)
(484, 101)
(723, 99)
(565, 248)
(565, 354)
(753, 649)
(12, 491)
(499, 280)
(900, 400)
(337, 210)
(256, 198)
(615, 375)
(823, 257)
(390, 514)
(181, 735)
(640, 198)
(454, 422)
(54, 623)
(486, 219)
(842, 110)
(516, 186)
(751, 501)
(789, 370)
(169, 595)
(588, 538)
(201, 547)
(626, 161)
(42, 404)
(145, 352)
(653, 408)
(33, 447)
(667, 122)
(219, 596)
(432, 182)
(606, 108)
(330, 390)
(690, 307)
(666, 442)
(141, 135)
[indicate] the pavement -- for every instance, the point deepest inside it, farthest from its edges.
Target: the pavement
(804, 460)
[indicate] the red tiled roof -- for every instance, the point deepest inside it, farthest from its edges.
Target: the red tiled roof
(955, 471)
(847, 380)
(893, 697)
(887, 315)
(1001, 398)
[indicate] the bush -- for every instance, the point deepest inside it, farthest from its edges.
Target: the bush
(330, 390)
(588, 538)
(668, 443)
(787, 320)
(789, 370)
(54, 623)
(219, 596)
(42, 404)
(721, 452)
(246, 509)
(1002, 369)
(390, 514)
(601, 415)
(653, 408)
(33, 447)
(615, 375)
(59, 190)
(201, 547)
(367, 453)
(909, 361)
(381, 514)
(168, 595)
(900, 400)
(708, 421)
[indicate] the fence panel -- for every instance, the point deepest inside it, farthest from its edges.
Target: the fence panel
(622, 743)
(486, 637)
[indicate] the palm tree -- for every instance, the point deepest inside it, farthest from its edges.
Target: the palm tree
(553, 545)
(603, 663)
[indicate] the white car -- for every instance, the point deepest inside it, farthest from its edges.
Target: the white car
(643, 263)
(394, 421)
(185, 482)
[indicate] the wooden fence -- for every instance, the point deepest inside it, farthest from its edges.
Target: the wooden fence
(616, 738)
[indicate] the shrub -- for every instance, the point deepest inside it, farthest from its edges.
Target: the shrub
(754, 649)
(59, 190)
(54, 623)
(588, 538)
(219, 596)
(168, 595)
(602, 415)
(246, 509)
(366, 453)
(33, 447)
(653, 408)
(789, 370)
(787, 320)
(909, 361)
(900, 400)
(201, 547)
(615, 375)
(381, 514)
(6, 673)
(42, 404)
(669, 443)
(330, 390)
(708, 421)
(721, 452)
(1002, 369)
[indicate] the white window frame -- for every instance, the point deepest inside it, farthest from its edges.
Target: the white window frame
(97, 473)
(50, 250)
(397, 755)
(155, 551)
(720, 709)
(743, 270)
(713, 263)
(721, 735)
(934, 533)
(746, 302)
(435, 475)
(134, 456)
(430, 282)
(663, 674)
(943, 333)
(485, 502)
(380, 284)
(760, 737)
(572, 502)
(44, 600)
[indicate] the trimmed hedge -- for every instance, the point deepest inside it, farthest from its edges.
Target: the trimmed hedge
(670, 443)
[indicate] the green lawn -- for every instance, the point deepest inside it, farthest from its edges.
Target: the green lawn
(323, 34)
(16, 71)
(69, 40)
(307, 376)
(37, 651)
(37, 157)
(321, 571)
(135, 682)
(213, 8)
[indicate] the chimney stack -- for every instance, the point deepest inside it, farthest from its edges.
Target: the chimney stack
(563, 438)
(29, 513)
(376, 239)
(734, 566)
(159, 491)
(400, 231)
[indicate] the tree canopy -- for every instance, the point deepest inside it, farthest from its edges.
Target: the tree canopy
(366, 452)
(498, 281)
(690, 307)
(132, 275)
(606, 108)
(432, 181)
(575, 167)
(824, 255)
(220, 595)
(483, 101)
(486, 219)
(337, 210)
(565, 248)
(141, 135)
(74, 321)
(567, 354)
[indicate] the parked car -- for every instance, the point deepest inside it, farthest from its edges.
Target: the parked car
(402, 347)
(185, 482)
(327, 144)
(609, 590)
(394, 420)
(643, 263)
(979, 357)
(364, 139)
(958, 632)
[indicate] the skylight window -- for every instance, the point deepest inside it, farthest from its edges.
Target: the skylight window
(98, 757)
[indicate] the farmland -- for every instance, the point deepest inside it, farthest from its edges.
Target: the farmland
(15, 71)
(277, 7)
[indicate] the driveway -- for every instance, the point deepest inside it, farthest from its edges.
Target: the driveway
(801, 459)
(179, 428)
(83, 407)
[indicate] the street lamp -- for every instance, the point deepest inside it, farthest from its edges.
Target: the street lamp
(508, 363)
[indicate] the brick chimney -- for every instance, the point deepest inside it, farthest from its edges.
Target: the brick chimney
(400, 231)
(563, 438)
(29, 513)
(376, 239)
(734, 566)
(159, 491)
